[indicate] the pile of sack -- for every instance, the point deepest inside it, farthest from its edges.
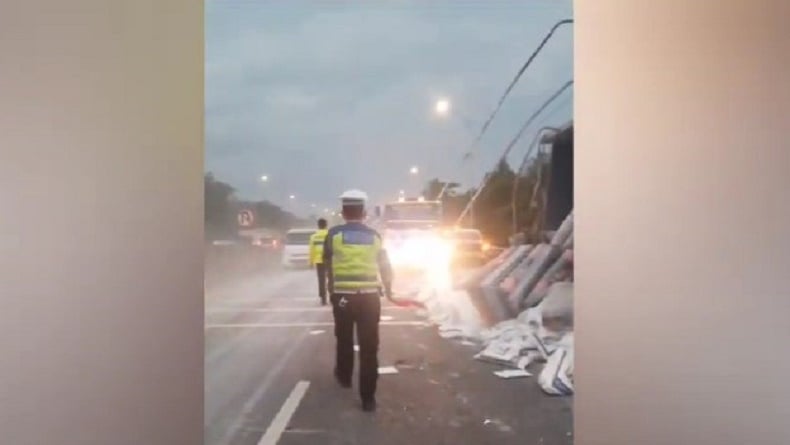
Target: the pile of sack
(541, 334)
(525, 341)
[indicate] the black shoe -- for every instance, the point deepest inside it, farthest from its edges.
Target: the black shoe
(369, 405)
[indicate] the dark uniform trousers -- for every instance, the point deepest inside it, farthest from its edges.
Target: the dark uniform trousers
(321, 271)
(364, 311)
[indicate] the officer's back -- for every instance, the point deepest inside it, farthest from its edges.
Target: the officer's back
(355, 249)
(358, 269)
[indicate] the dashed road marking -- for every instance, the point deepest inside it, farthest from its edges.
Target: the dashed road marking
(280, 422)
(256, 396)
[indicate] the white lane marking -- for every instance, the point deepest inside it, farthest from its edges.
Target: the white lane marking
(304, 324)
(274, 286)
(280, 422)
(317, 331)
(384, 370)
(268, 379)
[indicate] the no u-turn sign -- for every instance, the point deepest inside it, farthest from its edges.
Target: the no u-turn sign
(246, 218)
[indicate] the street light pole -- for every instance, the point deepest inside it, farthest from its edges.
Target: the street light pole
(442, 109)
(291, 204)
(414, 172)
(264, 181)
(540, 139)
(515, 140)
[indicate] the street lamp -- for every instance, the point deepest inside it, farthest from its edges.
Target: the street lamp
(442, 107)
(415, 181)
(264, 180)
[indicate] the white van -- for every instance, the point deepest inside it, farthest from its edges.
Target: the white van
(296, 248)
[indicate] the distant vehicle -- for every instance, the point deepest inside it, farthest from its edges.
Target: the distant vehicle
(412, 234)
(267, 242)
(469, 247)
(296, 248)
(416, 213)
(222, 242)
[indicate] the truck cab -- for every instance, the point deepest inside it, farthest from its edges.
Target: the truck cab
(412, 232)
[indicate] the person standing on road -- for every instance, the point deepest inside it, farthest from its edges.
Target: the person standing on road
(358, 268)
(317, 258)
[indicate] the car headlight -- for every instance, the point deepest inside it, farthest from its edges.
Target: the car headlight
(426, 252)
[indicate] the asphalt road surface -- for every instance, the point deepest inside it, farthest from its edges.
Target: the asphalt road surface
(269, 357)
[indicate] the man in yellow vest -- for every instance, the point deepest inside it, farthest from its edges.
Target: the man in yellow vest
(358, 269)
(317, 258)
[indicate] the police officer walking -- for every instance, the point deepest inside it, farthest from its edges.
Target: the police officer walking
(358, 269)
(317, 258)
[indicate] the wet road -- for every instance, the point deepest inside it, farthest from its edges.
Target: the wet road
(269, 360)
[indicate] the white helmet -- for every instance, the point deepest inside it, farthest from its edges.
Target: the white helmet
(351, 197)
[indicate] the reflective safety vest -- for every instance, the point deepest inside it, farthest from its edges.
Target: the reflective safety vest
(317, 246)
(354, 249)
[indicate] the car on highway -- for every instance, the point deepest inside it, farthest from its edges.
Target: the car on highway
(269, 243)
(296, 248)
(469, 247)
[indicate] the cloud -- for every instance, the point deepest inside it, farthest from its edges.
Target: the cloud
(331, 97)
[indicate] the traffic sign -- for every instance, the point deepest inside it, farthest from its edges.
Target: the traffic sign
(246, 218)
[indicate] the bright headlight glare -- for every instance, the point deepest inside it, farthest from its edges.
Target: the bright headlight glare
(424, 253)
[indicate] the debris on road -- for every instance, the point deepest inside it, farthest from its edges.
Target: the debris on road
(528, 359)
(500, 425)
(512, 373)
(556, 377)
(516, 343)
(450, 332)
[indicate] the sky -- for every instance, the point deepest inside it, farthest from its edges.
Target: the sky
(324, 96)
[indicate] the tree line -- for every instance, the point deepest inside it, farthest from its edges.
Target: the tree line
(221, 208)
(510, 203)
